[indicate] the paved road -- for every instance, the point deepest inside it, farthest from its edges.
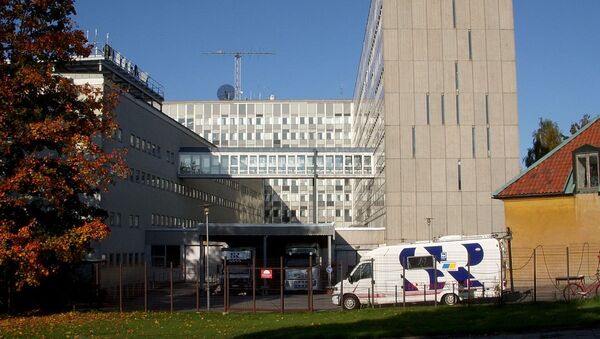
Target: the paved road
(184, 299)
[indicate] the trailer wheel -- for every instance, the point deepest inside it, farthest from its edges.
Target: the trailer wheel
(350, 302)
(450, 299)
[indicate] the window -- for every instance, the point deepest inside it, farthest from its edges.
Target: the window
(443, 111)
(487, 131)
(456, 75)
(587, 175)
(458, 164)
(420, 262)
(457, 110)
(473, 140)
(427, 108)
(487, 109)
(470, 46)
(414, 141)
(362, 271)
(454, 13)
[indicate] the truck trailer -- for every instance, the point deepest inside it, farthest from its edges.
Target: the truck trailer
(448, 270)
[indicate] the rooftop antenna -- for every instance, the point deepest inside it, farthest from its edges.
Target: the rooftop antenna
(95, 41)
(107, 35)
(237, 55)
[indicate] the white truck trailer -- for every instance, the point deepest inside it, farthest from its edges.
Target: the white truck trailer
(449, 270)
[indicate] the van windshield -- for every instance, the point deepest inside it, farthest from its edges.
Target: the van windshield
(362, 271)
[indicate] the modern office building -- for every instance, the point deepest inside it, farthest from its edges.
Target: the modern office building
(431, 132)
(436, 98)
(282, 125)
(154, 197)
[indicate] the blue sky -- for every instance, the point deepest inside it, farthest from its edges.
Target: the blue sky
(317, 45)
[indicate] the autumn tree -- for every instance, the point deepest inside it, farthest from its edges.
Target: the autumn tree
(52, 165)
(545, 138)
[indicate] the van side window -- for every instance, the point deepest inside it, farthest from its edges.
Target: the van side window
(420, 262)
(363, 271)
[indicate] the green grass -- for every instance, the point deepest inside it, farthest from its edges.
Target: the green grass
(385, 322)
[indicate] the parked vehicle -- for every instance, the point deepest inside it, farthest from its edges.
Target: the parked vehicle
(448, 270)
(239, 262)
(297, 261)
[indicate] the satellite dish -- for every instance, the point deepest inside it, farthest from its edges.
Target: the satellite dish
(226, 92)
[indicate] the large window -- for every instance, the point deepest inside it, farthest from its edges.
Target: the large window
(164, 255)
(587, 171)
(362, 271)
(420, 262)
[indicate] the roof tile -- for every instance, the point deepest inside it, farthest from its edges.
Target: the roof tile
(550, 175)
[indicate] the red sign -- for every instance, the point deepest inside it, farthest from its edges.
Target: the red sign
(266, 273)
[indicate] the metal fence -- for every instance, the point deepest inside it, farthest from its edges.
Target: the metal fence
(535, 274)
(543, 272)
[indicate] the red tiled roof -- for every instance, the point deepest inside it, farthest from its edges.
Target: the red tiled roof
(550, 174)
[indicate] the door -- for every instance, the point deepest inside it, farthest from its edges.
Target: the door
(361, 279)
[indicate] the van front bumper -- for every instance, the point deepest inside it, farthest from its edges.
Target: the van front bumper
(335, 299)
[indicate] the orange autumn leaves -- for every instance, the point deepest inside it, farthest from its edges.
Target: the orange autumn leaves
(53, 162)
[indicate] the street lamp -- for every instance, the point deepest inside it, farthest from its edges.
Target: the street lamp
(429, 222)
(206, 210)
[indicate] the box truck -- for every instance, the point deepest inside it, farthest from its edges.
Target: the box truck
(448, 270)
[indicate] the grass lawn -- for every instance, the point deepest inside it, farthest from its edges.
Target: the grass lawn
(384, 322)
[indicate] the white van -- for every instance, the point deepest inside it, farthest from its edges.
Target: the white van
(448, 270)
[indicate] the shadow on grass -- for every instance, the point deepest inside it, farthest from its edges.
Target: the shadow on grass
(481, 320)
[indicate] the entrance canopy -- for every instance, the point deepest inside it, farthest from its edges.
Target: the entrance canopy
(180, 235)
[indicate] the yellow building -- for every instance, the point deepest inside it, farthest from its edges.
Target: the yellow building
(554, 208)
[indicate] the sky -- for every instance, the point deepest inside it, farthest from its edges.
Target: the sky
(317, 46)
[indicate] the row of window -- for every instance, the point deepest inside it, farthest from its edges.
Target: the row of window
(125, 259)
(148, 147)
(307, 197)
(141, 177)
(473, 141)
(171, 221)
(115, 220)
(215, 137)
(443, 108)
(275, 108)
(245, 190)
(260, 121)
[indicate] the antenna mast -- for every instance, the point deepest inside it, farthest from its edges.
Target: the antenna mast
(237, 56)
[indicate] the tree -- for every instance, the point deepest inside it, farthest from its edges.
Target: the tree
(576, 126)
(545, 138)
(52, 165)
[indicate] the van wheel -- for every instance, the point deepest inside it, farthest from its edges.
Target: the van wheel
(450, 299)
(350, 302)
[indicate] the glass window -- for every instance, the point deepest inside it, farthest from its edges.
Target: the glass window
(301, 164)
(262, 164)
(420, 262)
(329, 164)
(348, 164)
(291, 162)
(272, 164)
(320, 164)
(234, 164)
(362, 271)
(282, 164)
(243, 164)
(587, 171)
(253, 164)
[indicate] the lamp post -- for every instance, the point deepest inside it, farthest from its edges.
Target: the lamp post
(206, 210)
(428, 221)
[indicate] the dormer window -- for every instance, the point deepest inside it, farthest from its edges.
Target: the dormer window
(586, 166)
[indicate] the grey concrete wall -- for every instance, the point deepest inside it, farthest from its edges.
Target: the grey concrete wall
(436, 52)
